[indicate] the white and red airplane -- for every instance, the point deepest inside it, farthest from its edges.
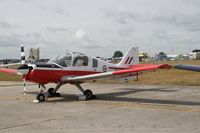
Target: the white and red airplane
(76, 68)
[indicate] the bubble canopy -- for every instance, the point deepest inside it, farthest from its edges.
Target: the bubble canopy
(69, 59)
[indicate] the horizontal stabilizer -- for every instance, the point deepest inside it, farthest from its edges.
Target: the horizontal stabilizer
(188, 67)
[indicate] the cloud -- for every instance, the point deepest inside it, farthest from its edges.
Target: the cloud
(119, 15)
(54, 9)
(160, 34)
(33, 35)
(30, 39)
(90, 45)
(59, 10)
(188, 22)
(83, 40)
(9, 40)
(4, 24)
(36, 40)
(126, 32)
(10, 44)
(192, 2)
(56, 28)
(24, 0)
(81, 34)
(149, 24)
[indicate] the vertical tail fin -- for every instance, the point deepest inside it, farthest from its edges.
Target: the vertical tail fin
(130, 58)
(22, 55)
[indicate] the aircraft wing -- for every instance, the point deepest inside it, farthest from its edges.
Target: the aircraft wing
(115, 74)
(188, 67)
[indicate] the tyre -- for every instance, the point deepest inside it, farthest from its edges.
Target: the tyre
(50, 92)
(88, 93)
(40, 97)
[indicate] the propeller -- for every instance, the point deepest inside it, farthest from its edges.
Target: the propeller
(24, 69)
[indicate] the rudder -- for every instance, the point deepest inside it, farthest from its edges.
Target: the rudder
(130, 58)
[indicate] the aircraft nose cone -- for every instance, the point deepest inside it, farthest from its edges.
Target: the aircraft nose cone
(23, 70)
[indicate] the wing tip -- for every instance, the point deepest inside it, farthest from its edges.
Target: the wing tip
(165, 66)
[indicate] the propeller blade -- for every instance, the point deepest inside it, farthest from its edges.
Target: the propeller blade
(23, 62)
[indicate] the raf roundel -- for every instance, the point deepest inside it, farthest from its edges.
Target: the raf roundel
(104, 68)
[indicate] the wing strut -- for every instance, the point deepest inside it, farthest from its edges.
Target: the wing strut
(137, 76)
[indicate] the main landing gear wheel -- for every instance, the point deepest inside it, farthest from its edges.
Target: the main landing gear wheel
(88, 93)
(52, 94)
(40, 97)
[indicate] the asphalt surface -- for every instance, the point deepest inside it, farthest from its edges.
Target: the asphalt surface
(118, 108)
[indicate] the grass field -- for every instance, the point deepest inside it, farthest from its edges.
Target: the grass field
(158, 77)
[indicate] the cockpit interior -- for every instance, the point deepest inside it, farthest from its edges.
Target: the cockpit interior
(69, 59)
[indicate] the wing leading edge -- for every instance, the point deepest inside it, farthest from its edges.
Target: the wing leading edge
(119, 73)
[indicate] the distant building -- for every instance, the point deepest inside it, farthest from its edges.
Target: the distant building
(197, 55)
(172, 57)
(184, 57)
(34, 55)
(143, 56)
(194, 55)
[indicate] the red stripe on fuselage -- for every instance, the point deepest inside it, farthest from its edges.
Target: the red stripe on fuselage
(53, 76)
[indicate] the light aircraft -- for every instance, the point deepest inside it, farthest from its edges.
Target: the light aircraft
(76, 68)
(188, 67)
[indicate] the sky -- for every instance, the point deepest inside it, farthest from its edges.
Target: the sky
(98, 27)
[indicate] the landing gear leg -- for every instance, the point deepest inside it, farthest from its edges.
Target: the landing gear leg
(52, 92)
(87, 93)
(42, 88)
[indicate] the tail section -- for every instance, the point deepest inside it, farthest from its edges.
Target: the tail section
(130, 58)
(22, 55)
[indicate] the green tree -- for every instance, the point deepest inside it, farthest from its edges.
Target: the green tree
(117, 54)
(162, 56)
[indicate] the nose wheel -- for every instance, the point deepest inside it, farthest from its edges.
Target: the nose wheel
(51, 92)
(40, 97)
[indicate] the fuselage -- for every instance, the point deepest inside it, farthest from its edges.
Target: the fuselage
(52, 72)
